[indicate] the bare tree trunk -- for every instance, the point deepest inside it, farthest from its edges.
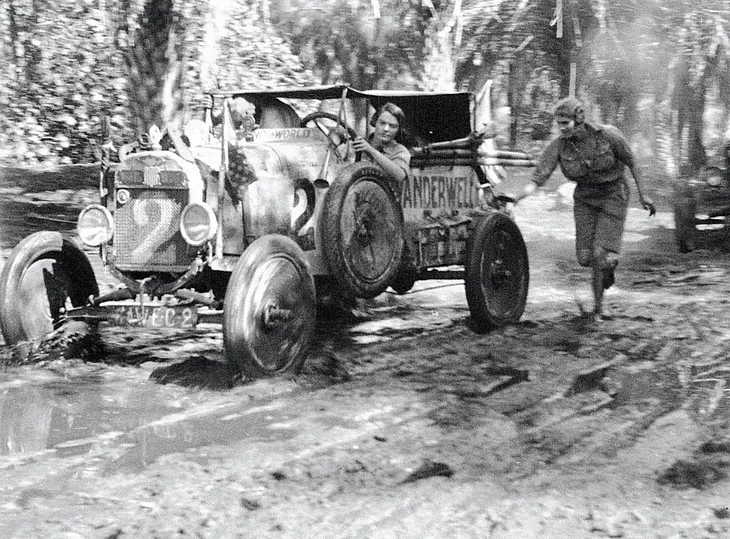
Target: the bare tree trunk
(689, 101)
(155, 68)
(696, 148)
(214, 28)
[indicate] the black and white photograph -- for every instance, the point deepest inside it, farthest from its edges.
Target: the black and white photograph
(364, 269)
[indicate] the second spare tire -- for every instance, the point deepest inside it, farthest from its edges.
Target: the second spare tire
(362, 231)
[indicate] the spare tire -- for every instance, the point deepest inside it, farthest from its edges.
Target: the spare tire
(362, 231)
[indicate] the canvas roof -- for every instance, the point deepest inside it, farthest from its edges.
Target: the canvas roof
(435, 116)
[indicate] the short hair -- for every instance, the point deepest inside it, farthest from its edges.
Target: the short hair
(570, 107)
(393, 109)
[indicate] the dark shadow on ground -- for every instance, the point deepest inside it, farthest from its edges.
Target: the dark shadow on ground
(199, 372)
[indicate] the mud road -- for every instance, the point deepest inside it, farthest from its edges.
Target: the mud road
(404, 423)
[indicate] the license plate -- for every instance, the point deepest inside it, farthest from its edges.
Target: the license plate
(156, 316)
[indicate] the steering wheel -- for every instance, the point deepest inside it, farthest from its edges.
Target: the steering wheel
(331, 127)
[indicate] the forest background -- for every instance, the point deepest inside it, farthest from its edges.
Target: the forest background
(657, 69)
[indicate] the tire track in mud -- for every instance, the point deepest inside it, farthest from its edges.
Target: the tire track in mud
(645, 380)
(521, 405)
(407, 384)
(454, 364)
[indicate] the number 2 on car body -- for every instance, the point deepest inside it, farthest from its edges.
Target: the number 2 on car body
(144, 213)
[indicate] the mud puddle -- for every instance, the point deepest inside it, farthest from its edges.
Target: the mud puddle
(179, 434)
(69, 416)
(87, 415)
(160, 394)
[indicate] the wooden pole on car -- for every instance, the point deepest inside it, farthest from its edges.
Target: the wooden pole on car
(343, 113)
(465, 162)
(222, 178)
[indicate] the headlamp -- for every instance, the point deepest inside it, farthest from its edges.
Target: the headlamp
(198, 223)
(714, 176)
(95, 225)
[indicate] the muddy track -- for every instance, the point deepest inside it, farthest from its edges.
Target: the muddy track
(403, 423)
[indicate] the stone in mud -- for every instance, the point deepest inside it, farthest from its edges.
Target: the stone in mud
(699, 473)
(429, 469)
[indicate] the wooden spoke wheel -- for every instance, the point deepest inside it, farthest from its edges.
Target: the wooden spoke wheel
(362, 231)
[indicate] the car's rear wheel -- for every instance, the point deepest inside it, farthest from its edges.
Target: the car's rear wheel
(269, 311)
(362, 230)
(44, 275)
(497, 273)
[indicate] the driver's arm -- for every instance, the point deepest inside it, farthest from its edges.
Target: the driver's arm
(396, 168)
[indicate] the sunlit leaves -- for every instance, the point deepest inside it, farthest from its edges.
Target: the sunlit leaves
(344, 41)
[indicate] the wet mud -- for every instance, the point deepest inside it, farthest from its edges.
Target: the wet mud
(403, 422)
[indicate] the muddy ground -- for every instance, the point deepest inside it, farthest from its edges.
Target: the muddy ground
(404, 423)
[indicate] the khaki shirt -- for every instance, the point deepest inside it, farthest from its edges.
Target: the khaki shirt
(598, 158)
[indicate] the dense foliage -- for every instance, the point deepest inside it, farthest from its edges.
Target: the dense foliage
(61, 72)
(660, 70)
(68, 63)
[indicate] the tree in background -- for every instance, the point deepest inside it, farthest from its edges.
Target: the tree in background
(653, 64)
(515, 44)
(653, 68)
(251, 52)
(644, 66)
(65, 64)
(180, 49)
(154, 65)
(59, 76)
(365, 43)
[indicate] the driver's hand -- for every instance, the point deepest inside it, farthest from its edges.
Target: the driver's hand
(359, 144)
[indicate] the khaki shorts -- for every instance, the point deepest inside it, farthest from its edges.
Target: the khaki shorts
(600, 215)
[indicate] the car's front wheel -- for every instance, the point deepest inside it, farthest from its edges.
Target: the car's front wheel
(44, 275)
(269, 310)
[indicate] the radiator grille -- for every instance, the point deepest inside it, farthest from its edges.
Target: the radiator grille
(151, 177)
(147, 235)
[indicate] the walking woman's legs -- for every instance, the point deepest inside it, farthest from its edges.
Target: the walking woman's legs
(599, 244)
(603, 265)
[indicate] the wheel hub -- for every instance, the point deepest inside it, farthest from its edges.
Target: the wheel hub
(499, 273)
(273, 316)
(364, 225)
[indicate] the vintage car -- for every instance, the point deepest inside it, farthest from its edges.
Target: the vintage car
(701, 203)
(250, 224)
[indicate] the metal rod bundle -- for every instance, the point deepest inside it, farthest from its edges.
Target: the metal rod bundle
(466, 154)
(468, 151)
(419, 162)
(472, 141)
